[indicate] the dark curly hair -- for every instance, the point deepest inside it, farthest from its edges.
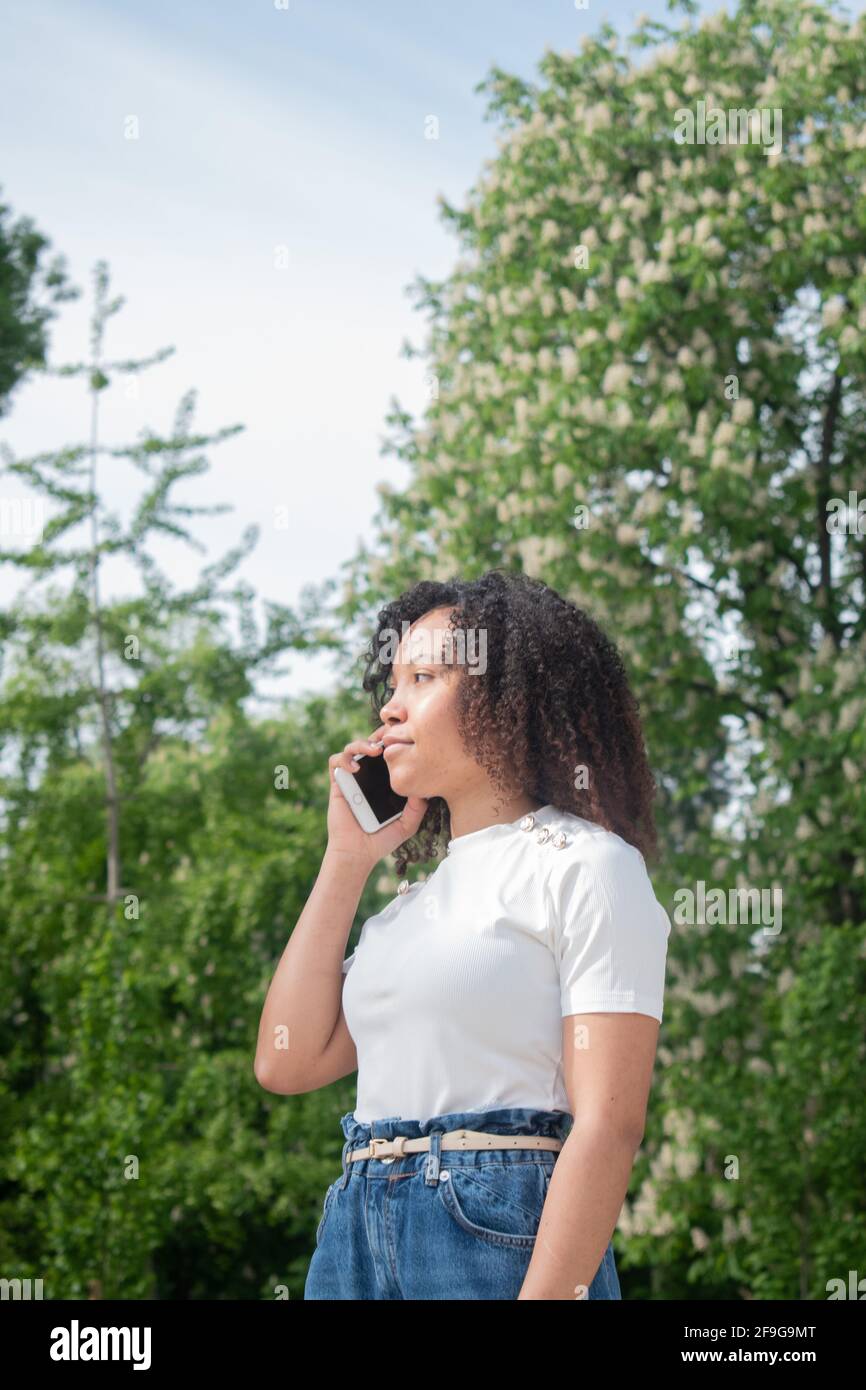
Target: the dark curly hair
(554, 697)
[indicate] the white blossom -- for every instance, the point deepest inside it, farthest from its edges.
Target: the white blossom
(850, 715)
(667, 245)
(649, 504)
(589, 336)
(569, 360)
(616, 378)
(703, 227)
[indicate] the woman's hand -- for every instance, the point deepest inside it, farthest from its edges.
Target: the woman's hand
(345, 835)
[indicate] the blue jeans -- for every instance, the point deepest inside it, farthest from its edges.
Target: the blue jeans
(458, 1224)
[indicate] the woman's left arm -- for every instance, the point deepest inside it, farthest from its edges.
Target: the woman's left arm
(607, 1066)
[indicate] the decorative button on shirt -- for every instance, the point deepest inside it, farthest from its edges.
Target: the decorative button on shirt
(559, 840)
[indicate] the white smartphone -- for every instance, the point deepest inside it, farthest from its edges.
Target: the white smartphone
(368, 791)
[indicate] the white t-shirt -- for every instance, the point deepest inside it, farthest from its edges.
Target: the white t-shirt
(456, 991)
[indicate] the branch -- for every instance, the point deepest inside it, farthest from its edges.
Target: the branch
(825, 587)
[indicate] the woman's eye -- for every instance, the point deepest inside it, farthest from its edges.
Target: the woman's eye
(429, 674)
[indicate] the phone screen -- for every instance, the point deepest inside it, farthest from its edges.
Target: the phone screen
(373, 779)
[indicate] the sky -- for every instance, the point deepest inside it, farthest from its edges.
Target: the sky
(267, 221)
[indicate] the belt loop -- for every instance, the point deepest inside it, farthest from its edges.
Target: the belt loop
(431, 1174)
(346, 1164)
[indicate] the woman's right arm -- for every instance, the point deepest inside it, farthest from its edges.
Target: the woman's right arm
(303, 1041)
(303, 1004)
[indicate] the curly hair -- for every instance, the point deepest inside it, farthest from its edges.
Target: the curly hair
(554, 699)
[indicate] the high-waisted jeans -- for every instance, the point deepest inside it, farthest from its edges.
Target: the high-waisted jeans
(455, 1224)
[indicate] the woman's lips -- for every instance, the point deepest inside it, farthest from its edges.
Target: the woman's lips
(392, 748)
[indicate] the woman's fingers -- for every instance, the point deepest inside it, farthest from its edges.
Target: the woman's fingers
(347, 759)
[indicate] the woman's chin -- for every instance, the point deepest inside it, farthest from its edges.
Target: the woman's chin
(404, 786)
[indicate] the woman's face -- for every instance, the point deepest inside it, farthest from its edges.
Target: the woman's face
(421, 709)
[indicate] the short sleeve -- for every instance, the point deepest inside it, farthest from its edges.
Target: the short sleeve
(610, 931)
(350, 960)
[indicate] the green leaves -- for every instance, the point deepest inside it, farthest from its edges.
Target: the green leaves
(151, 875)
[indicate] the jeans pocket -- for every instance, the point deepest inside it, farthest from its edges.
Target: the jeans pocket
(326, 1207)
(497, 1203)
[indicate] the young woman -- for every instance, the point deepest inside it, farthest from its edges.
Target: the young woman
(502, 1014)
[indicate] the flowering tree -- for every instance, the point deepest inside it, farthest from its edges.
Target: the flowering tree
(646, 378)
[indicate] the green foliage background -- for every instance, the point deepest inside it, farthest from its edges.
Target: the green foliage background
(658, 433)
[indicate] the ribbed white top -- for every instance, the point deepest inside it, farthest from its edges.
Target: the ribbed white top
(456, 991)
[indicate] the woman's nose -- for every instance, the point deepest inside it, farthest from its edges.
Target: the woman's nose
(389, 710)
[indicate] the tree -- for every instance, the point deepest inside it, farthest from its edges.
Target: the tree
(28, 289)
(646, 385)
(154, 860)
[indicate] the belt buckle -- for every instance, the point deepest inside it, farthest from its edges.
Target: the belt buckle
(372, 1146)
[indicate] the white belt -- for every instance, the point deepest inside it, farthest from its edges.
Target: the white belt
(389, 1149)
